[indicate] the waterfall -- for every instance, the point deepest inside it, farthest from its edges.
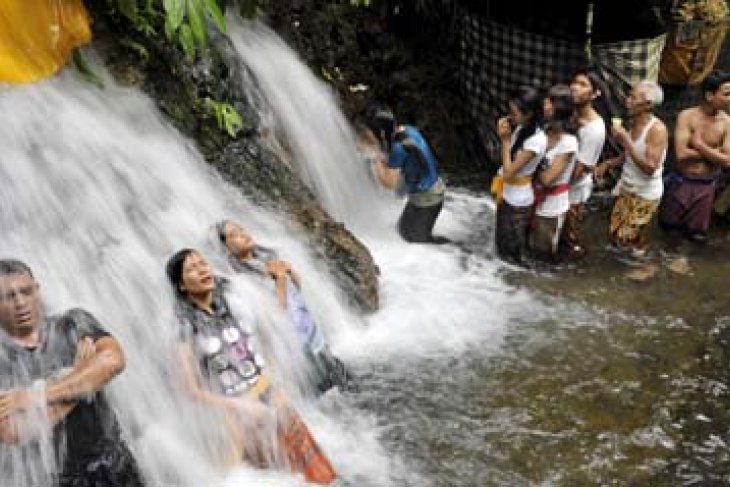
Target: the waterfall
(99, 190)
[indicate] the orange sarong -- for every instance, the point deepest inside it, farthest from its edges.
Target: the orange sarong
(38, 36)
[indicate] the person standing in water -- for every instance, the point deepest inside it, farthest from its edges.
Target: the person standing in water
(554, 172)
(522, 149)
(586, 89)
(222, 368)
(53, 370)
(408, 166)
(702, 149)
(640, 187)
(245, 255)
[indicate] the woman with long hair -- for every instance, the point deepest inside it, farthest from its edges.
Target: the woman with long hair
(554, 172)
(222, 368)
(523, 146)
(246, 256)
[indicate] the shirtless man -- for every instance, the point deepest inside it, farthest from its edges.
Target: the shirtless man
(702, 147)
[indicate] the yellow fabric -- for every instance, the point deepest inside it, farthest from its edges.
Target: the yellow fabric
(695, 42)
(38, 36)
(498, 183)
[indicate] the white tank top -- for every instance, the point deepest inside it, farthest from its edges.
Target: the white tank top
(636, 181)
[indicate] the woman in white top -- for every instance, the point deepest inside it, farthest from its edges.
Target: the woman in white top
(554, 172)
(522, 150)
(640, 187)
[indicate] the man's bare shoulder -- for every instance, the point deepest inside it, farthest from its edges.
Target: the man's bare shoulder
(689, 113)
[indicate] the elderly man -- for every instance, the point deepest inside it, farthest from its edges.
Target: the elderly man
(56, 426)
(640, 187)
(702, 146)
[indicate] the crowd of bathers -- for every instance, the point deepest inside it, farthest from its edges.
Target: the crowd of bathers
(54, 369)
(556, 145)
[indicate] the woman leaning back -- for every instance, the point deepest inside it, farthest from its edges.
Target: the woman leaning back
(222, 369)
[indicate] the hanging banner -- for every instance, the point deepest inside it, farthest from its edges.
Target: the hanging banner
(38, 36)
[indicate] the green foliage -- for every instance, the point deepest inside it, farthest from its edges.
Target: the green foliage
(226, 116)
(250, 9)
(83, 67)
(142, 14)
(186, 22)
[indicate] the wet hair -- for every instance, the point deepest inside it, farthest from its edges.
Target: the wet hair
(380, 118)
(529, 102)
(714, 81)
(174, 269)
(9, 267)
(563, 118)
(653, 93)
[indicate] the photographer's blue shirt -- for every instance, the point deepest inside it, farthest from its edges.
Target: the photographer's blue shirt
(401, 159)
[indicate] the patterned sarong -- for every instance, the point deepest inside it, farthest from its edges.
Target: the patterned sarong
(629, 218)
(298, 447)
(571, 236)
(303, 453)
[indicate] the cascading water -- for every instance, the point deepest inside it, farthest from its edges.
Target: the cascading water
(99, 191)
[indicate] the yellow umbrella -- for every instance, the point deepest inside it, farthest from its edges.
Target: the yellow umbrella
(38, 36)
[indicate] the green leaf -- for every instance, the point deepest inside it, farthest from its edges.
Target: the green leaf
(196, 19)
(83, 67)
(216, 14)
(175, 10)
(128, 8)
(185, 35)
(232, 121)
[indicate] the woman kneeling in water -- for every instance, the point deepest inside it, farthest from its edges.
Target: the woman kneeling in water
(245, 255)
(222, 369)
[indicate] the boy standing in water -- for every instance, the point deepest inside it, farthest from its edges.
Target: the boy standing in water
(585, 88)
(53, 370)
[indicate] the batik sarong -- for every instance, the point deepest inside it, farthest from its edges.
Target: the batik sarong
(629, 218)
(571, 237)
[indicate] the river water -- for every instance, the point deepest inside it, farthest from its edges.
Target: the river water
(472, 373)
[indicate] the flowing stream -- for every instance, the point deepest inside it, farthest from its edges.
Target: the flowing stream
(471, 373)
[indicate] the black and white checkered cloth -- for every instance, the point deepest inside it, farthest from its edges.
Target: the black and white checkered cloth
(627, 62)
(496, 59)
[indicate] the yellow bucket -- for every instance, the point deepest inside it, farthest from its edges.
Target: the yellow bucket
(38, 36)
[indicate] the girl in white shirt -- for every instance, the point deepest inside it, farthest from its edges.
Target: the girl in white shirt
(522, 149)
(554, 172)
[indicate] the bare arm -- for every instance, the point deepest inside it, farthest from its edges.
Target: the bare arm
(387, 176)
(549, 175)
(682, 137)
(90, 375)
(720, 156)
(278, 271)
(656, 144)
(20, 428)
(510, 167)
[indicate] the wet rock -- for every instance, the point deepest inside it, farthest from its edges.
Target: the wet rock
(181, 87)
